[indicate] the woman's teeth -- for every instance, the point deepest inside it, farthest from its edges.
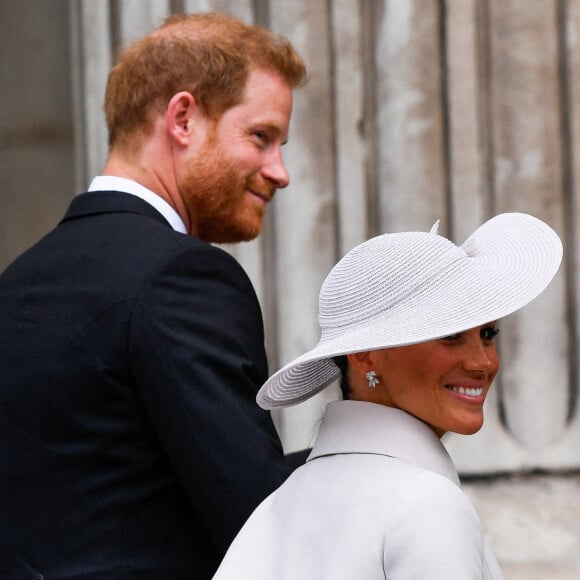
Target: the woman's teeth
(470, 392)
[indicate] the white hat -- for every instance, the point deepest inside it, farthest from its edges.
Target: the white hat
(404, 288)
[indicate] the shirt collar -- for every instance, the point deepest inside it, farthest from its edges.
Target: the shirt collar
(361, 427)
(113, 183)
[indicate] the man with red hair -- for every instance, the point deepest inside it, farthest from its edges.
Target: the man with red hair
(131, 348)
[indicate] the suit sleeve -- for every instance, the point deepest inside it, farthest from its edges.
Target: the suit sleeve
(434, 532)
(197, 351)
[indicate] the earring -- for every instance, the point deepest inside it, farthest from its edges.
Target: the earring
(371, 377)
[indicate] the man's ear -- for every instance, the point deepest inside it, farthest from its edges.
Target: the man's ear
(179, 117)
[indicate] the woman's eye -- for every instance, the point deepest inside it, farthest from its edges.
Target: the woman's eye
(489, 333)
(452, 337)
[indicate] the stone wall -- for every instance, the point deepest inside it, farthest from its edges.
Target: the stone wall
(37, 161)
(533, 522)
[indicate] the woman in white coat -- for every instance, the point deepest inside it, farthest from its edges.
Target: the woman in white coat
(408, 322)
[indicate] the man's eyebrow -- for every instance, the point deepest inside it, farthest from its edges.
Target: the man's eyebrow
(271, 125)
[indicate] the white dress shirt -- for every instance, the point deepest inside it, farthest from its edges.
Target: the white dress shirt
(113, 183)
(379, 498)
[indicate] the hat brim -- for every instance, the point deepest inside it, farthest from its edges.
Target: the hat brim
(504, 264)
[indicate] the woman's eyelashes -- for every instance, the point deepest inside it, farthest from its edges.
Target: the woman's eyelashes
(486, 333)
(489, 332)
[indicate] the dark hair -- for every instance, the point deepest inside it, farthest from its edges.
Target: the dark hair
(342, 363)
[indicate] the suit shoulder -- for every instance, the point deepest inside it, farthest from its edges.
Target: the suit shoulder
(193, 255)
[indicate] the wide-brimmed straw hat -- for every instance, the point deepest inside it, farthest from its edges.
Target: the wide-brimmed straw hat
(404, 288)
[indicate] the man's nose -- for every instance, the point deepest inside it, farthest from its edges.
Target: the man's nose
(275, 171)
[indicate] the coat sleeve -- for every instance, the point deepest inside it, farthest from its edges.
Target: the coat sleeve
(434, 532)
(197, 354)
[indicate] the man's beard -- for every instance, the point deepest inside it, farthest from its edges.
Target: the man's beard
(217, 198)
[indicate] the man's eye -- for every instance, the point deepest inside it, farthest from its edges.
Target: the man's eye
(489, 333)
(262, 136)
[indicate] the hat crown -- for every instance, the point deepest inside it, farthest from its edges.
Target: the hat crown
(360, 287)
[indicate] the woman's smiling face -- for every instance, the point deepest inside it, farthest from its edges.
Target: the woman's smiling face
(443, 382)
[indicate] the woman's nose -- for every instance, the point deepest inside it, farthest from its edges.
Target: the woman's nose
(481, 356)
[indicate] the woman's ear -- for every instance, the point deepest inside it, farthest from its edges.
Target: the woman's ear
(364, 378)
(361, 361)
(179, 117)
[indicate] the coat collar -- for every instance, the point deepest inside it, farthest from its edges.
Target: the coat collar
(360, 427)
(97, 203)
(115, 183)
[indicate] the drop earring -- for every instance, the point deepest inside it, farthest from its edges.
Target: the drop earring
(371, 377)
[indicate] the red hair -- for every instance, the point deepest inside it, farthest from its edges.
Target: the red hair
(208, 55)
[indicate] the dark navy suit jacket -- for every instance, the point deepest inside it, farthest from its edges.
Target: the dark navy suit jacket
(131, 445)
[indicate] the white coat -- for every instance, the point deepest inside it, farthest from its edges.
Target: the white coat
(378, 498)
